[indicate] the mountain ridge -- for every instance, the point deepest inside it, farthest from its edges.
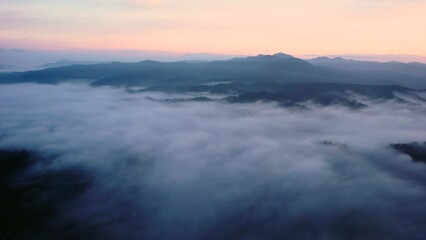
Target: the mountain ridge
(262, 70)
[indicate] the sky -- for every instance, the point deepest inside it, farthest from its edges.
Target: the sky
(238, 27)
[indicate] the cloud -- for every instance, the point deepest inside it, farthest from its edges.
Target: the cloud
(213, 170)
(146, 3)
(380, 6)
(13, 19)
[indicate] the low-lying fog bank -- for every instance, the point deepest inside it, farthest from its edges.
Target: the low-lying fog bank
(210, 170)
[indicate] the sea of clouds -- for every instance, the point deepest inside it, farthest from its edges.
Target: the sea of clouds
(213, 170)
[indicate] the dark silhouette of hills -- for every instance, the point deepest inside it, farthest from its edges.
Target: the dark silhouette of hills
(262, 68)
(323, 94)
(298, 94)
(280, 77)
(5, 66)
(417, 151)
(406, 74)
(31, 199)
(65, 62)
(278, 68)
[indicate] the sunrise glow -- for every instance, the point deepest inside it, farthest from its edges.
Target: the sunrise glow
(217, 26)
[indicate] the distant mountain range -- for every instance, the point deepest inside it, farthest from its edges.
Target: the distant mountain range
(65, 62)
(404, 74)
(280, 78)
(5, 66)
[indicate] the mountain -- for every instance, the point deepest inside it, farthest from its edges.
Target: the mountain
(278, 68)
(417, 151)
(326, 94)
(282, 55)
(5, 66)
(406, 74)
(30, 198)
(279, 78)
(262, 68)
(299, 95)
(65, 62)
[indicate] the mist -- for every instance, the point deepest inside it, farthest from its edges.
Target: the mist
(12, 60)
(215, 170)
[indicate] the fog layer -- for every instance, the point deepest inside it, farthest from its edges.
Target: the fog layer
(212, 170)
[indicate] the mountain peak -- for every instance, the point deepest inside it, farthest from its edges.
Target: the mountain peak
(282, 55)
(329, 59)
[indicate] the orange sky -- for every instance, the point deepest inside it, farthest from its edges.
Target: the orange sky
(319, 27)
